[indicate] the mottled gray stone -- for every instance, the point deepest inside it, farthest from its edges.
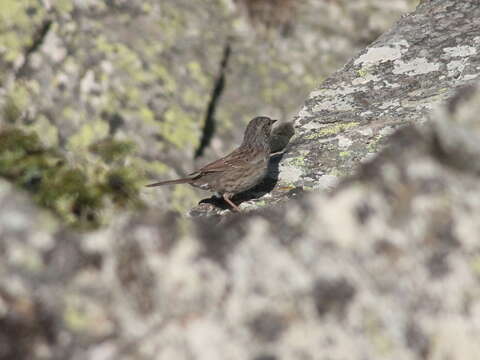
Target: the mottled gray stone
(383, 266)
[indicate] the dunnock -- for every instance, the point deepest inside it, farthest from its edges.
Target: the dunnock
(240, 170)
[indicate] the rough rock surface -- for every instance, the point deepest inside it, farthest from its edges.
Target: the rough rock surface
(386, 265)
(395, 81)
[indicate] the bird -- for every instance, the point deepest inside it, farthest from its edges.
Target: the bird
(238, 171)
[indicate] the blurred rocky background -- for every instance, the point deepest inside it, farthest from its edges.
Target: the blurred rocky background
(368, 246)
(129, 91)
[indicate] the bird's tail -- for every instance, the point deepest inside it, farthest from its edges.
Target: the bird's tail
(171, 182)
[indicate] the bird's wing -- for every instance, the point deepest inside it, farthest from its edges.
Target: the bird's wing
(235, 159)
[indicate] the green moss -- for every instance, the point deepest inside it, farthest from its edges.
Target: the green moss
(15, 141)
(344, 154)
(77, 196)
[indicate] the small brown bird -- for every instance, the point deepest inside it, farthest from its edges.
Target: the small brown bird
(240, 170)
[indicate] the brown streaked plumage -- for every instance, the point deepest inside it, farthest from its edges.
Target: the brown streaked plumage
(238, 171)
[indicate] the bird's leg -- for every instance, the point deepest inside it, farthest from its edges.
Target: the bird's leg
(230, 202)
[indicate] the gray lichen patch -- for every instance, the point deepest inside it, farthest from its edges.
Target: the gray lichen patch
(418, 66)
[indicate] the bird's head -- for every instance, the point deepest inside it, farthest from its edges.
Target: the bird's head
(258, 131)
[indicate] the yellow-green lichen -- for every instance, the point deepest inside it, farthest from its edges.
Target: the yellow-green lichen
(194, 98)
(372, 145)
(197, 73)
(154, 167)
(162, 74)
(123, 58)
(179, 128)
(183, 197)
(81, 315)
(15, 103)
(172, 24)
(88, 134)
(275, 93)
(338, 173)
(19, 21)
(63, 6)
(376, 333)
(147, 115)
(344, 154)
(362, 72)
(332, 129)
(297, 161)
(475, 265)
(260, 203)
(49, 133)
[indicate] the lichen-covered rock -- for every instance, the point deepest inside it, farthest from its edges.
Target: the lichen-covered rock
(83, 72)
(395, 81)
(385, 265)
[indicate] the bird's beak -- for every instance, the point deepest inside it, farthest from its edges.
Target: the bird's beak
(272, 121)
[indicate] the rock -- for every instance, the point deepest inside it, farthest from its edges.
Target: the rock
(84, 72)
(384, 265)
(394, 82)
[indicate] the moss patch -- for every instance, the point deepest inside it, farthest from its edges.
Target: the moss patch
(78, 196)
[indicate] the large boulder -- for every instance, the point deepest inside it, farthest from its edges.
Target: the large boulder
(393, 82)
(384, 265)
